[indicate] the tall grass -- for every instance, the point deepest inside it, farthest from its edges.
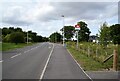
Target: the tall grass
(96, 51)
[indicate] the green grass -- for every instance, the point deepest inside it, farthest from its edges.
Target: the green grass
(87, 63)
(92, 61)
(11, 46)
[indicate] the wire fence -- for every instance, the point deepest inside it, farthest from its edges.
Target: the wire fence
(96, 51)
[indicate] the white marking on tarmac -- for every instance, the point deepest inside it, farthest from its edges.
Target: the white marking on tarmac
(32, 49)
(1, 60)
(80, 66)
(16, 55)
(25, 51)
(41, 77)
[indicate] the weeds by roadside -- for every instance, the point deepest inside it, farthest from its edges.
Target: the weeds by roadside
(91, 55)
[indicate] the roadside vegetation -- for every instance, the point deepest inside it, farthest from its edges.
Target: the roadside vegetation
(11, 46)
(93, 52)
(91, 56)
(13, 38)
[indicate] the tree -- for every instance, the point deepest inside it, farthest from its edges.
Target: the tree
(39, 38)
(45, 39)
(6, 38)
(105, 37)
(18, 29)
(84, 32)
(17, 37)
(115, 33)
(68, 32)
(5, 31)
(55, 37)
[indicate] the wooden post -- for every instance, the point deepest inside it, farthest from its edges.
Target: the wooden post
(96, 51)
(88, 51)
(115, 60)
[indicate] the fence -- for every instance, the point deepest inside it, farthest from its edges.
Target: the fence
(97, 52)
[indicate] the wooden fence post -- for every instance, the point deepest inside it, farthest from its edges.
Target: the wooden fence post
(96, 51)
(88, 51)
(115, 60)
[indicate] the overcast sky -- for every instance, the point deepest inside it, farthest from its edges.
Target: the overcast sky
(44, 17)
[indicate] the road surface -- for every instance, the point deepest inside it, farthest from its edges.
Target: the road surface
(41, 61)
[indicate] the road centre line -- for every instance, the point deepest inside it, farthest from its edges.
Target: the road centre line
(44, 69)
(1, 60)
(25, 52)
(79, 66)
(16, 55)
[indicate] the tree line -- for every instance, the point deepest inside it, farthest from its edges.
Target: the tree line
(17, 35)
(107, 34)
(69, 32)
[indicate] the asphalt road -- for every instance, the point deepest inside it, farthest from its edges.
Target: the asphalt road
(41, 61)
(28, 65)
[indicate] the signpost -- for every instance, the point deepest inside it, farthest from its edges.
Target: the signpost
(63, 31)
(77, 28)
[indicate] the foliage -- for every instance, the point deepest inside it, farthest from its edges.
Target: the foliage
(55, 37)
(95, 52)
(17, 37)
(115, 33)
(84, 32)
(68, 32)
(105, 37)
(45, 39)
(6, 38)
(32, 36)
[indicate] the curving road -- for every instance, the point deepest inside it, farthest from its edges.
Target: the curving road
(41, 61)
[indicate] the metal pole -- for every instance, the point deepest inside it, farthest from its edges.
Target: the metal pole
(27, 35)
(56, 37)
(77, 40)
(63, 31)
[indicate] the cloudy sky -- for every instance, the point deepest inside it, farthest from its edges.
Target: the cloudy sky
(44, 17)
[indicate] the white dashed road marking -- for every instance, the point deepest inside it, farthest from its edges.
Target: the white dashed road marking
(1, 60)
(16, 55)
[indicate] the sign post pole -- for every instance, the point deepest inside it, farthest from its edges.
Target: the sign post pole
(77, 28)
(63, 31)
(77, 40)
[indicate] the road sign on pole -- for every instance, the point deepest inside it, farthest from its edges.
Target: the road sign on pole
(63, 31)
(77, 28)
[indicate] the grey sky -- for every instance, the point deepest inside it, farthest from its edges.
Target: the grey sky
(45, 17)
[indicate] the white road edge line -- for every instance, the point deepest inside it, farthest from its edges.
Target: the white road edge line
(41, 77)
(79, 66)
(16, 55)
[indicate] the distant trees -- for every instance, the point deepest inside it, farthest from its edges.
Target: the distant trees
(17, 35)
(55, 37)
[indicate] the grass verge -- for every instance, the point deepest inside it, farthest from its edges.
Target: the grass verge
(11, 46)
(87, 63)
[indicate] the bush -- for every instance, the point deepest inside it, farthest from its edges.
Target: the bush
(6, 38)
(17, 37)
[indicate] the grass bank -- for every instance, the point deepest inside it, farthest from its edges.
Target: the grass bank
(87, 63)
(11, 46)
(91, 56)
